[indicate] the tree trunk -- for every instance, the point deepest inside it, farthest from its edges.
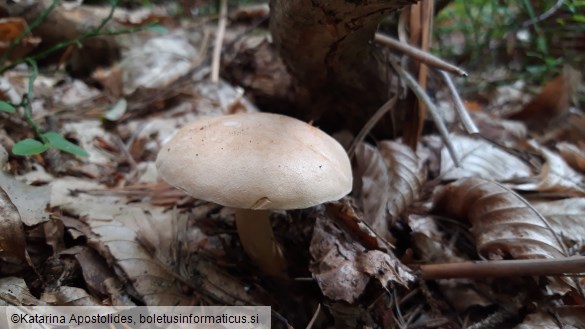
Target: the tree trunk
(341, 78)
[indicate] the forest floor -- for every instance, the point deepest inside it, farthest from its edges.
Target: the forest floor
(97, 226)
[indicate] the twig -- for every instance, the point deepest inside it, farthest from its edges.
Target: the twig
(504, 268)
(389, 105)
(423, 97)
(544, 15)
(419, 55)
(314, 318)
(216, 59)
(462, 114)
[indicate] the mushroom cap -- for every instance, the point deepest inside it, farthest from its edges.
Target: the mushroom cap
(256, 161)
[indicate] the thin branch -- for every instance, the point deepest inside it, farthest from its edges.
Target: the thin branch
(389, 105)
(545, 15)
(431, 108)
(504, 268)
(216, 59)
(419, 55)
(462, 114)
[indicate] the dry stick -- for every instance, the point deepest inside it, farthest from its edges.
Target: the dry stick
(503, 268)
(418, 55)
(433, 111)
(389, 105)
(314, 318)
(219, 42)
(462, 114)
(545, 15)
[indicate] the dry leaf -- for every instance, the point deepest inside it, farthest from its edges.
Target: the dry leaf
(502, 223)
(372, 187)
(70, 296)
(99, 278)
(479, 158)
(429, 242)
(15, 292)
(30, 201)
(343, 268)
(12, 238)
(10, 29)
(406, 176)
(566, 217)
(388, 180)
(167, 57)
(114, 232)
(555, 176)
(573, 155)
(552, 102)
(154, 283)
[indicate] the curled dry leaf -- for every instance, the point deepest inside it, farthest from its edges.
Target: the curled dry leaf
(406, 176)
(479, 158)
(555, 176)
(573, 155)
(372, 190)
(12, 238)
(389, 179)
(343, 268)
(502, 223)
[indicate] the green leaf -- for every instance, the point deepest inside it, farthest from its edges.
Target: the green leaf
(579, 18)
(28, 146)
(7, 107)
(59, 142)
(158, 28)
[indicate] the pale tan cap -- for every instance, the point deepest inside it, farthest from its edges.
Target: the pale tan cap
(256, 161)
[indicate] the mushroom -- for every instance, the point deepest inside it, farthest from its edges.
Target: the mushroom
(255, 162)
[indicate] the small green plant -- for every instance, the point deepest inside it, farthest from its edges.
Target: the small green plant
(45, 140)
(533, 39)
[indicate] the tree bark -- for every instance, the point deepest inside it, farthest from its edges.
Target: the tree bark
(341, 78)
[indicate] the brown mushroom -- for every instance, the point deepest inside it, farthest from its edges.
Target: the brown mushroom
(254, 162)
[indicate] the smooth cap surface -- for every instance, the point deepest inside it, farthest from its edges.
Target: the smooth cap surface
(256, 161)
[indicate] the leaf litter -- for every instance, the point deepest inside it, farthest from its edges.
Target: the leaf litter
(106, 230)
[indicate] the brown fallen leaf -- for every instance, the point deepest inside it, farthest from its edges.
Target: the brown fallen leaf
(30, 201)
(407, 176)
(479, 158)
(388, 180)
(555, 176)
(98, 276)
(552, 102)
(566, 217)
(343, 268)
(14, 291)
(11, 28)
(574, 155)
(503, 224)
(12, 238)
(70, 296)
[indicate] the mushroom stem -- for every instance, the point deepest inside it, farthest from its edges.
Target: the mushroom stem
(257, 238)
